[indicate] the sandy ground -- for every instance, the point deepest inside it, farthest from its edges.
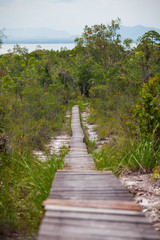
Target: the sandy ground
(146, 193)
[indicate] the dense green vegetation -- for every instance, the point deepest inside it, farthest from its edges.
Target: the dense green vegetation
(121, 83)
(34, 94)
(124, 90)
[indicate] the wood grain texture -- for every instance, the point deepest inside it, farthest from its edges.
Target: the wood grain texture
(132, 206)
(60, 224)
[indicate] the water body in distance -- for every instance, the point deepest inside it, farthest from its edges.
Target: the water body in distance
(32, 47)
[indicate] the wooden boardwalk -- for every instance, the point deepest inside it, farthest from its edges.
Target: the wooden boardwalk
(88, 204)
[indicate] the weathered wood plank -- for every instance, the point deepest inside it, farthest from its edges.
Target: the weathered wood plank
(95, 172)
(79, 150)
(132, 206)
(102, 225)
(93, 210)
(131, 217)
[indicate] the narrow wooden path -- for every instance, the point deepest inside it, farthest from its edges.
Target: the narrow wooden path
(88, 204)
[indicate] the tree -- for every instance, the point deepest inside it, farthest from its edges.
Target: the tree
(127, 43)
(1, 37)
(152, 37)
(84, 75)
(18, 50)
(102, 42)
(149, 45)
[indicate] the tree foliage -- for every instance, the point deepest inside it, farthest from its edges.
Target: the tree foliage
(147, 112)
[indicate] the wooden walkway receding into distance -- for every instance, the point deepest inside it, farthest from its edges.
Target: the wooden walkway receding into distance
(88, 204)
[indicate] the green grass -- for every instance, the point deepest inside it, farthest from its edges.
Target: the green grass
(107, 125)
(143, 155)
(124, 150)
(136, 155)
(91, 145)
(25, 183)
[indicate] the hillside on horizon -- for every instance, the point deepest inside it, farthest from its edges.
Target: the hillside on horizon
(46, 35)
(134, 32)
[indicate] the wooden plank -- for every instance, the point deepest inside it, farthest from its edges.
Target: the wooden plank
(85, 172)
(91, 210)
(91, 192)
(109, 216)
(102, 225)
(69, 231)
(90, 197)
(78, 166)
(78, 152)
(112, 225)
(79, 158)
(76, 149)
(132, 206)
(70, 171)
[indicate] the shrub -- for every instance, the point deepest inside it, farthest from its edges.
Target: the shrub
(147, 112)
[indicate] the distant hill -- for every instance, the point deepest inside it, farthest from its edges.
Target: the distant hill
(46, 35)
(135, 32)
(36, 35)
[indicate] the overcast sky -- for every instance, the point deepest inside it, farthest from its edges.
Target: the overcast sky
(73, 15)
